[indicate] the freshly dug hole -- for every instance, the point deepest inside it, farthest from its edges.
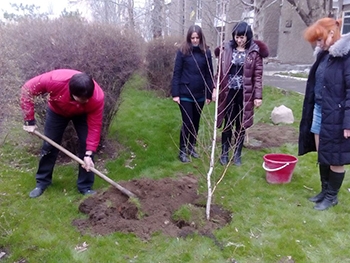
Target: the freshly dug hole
(153, 212)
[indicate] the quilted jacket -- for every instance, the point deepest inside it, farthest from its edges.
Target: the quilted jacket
(252, 80)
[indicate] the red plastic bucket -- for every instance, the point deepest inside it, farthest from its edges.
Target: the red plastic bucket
(279, 167)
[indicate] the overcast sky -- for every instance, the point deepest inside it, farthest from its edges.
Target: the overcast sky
(56, 6)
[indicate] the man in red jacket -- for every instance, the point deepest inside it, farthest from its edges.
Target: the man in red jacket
(72, 96)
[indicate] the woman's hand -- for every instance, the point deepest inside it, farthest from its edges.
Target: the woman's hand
(346, 134)
(213, 95)
(207, 101)
(257, 103)
(176, 99)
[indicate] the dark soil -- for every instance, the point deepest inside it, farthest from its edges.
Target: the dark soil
(263, 135)
(111, 211)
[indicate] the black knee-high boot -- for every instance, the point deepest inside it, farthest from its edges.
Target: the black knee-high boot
(225, 144)
(331, 197)
(324, 177)
(237, 160)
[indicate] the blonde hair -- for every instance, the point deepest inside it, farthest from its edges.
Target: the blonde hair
(321, 28)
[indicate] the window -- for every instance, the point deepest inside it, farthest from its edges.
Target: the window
(346, 23)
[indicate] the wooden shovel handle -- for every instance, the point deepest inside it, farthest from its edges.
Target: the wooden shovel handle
(80, 161)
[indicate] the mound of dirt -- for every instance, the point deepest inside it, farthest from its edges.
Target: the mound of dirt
(158, 200)
(264, 135)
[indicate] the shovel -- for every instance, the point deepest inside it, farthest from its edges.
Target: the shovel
(80, 161)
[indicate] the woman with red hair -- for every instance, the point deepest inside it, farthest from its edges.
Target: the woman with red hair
(325, 122)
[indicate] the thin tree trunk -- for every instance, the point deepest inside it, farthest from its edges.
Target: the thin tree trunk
(213, 146)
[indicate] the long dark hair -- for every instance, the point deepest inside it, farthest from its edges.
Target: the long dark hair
(187, 45)
(242, 29)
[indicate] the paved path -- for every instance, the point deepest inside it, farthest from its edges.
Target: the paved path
(272, 78)
(297, 85)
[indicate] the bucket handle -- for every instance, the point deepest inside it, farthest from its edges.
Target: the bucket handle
(274, 169)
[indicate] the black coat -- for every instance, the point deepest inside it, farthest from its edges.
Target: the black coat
(192, 76)
(334, 149)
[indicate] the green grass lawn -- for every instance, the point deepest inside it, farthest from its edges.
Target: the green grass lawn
(270, 222)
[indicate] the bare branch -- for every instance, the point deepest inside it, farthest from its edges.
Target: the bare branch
(307, 17)
(270, 4)
(247, 4)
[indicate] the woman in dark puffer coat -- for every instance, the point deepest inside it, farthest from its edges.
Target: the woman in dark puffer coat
(325, 123)
(240, 87)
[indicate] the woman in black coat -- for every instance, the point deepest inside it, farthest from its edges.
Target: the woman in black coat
(192, 87)
(325, 123)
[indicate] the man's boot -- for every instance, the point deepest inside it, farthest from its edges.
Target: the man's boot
(183, 156)
(331, 198)
(238, 150)
(225, 145)
(324, 177)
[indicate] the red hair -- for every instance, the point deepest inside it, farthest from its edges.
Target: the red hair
(321, 28)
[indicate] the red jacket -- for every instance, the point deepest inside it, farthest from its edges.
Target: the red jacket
(56, 84)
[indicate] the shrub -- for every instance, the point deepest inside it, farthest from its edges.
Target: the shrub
(160, 58)
(31, 47)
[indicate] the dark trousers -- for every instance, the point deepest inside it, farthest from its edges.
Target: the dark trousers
(54, 128)
(234, 116)
(191, 115)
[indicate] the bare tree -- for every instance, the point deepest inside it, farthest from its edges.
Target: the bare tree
(311, 10)
(130, 10)
(308, 10)
(111, 11)
(104, 11)
(157, 18)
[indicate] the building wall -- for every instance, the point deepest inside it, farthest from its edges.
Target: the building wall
(280, 27)
(292, 48)
(271, 27)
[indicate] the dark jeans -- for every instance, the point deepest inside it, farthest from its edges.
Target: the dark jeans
(54, 128)
(234, 115)
(191, 115)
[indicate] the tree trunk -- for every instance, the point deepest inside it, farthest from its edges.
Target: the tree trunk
(314, 10)
(157, 18)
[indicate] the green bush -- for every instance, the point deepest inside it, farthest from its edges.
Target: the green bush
(31, 47)
(160, 58)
